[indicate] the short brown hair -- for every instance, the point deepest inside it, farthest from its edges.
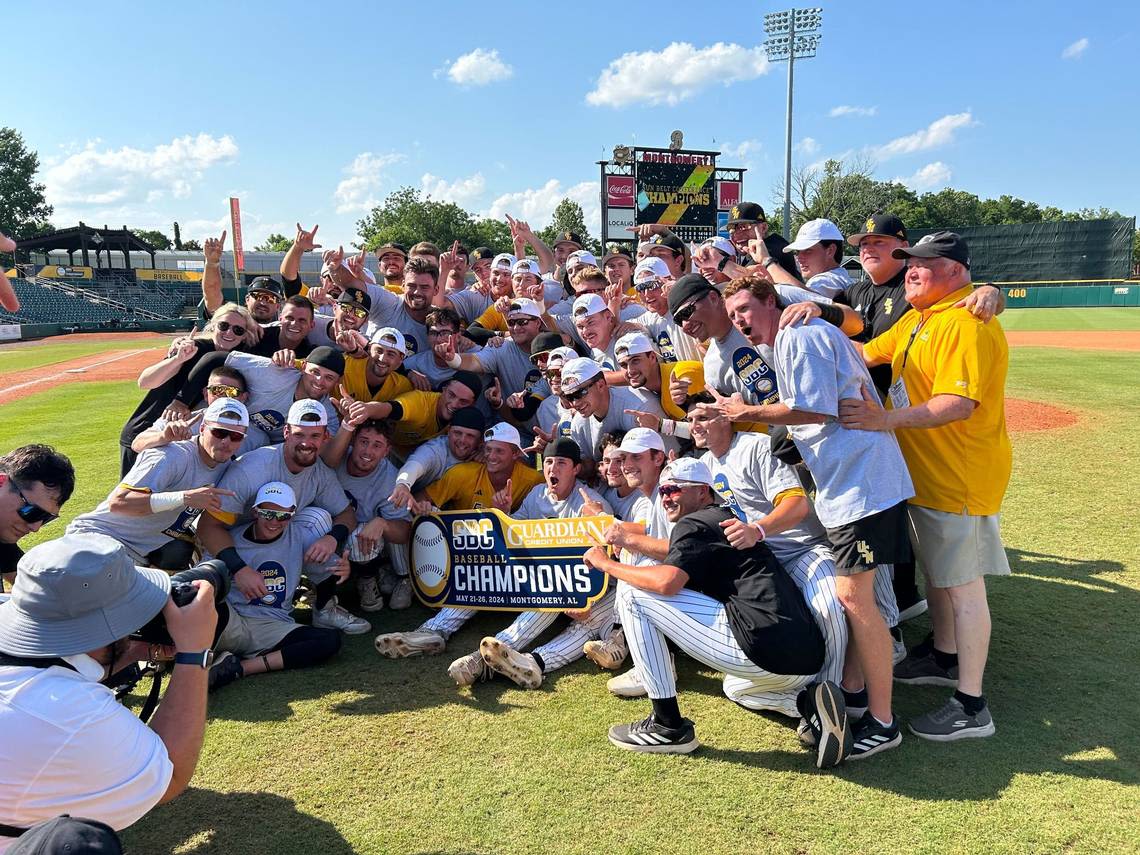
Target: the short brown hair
(757, 286)
(443, 315)
(419, 265)
(30, 463)
(425, 247)
(301, 302)
(588, 274)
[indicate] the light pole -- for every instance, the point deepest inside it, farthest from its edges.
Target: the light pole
(792, 35)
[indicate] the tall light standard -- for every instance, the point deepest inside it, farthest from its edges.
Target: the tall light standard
(792, 35)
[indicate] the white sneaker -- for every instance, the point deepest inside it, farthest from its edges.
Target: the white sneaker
(401, 596)
(609, 654)
(335, 616)
(368, 589)
(398, 645)
(388, 580)
(470, 669)
(627, 685)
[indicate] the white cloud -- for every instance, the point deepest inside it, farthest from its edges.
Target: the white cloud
(674, 74)
(96, 176)
(357, 193)
(461, 191)
(932, 175)
(744, 152)
(477, 68)
(938, 133)
(536, 205)
(849, 110)
(806, 147)
(1076, 50)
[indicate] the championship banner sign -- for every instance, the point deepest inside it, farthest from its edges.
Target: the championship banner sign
(487, 560)
(679, 195)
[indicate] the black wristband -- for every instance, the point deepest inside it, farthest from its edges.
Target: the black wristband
(723, 263)
(229, 556)
(340, 534)
(831, 313)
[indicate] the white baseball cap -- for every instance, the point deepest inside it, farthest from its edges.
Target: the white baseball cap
(639, 439)
(503, 432)
(721, 244)
(562, 355)
(277, 492)
(812, 232)
(503, 260)
(229, 412)
(526, 265)
(588, 304)
(523, 307)
(651, 268)
(391, 339)
(314, 410)
(632, 344)
(577, 372)
(685, 471)
(581, 256)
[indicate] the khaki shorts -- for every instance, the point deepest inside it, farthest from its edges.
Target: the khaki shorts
(954, 549)
(250, 636)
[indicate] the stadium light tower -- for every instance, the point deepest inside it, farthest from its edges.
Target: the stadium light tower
(792, 35)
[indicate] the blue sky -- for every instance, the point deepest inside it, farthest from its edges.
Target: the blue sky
(313, 112)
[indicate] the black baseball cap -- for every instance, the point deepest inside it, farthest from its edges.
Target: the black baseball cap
(355, 297)
(564, 446)
(392, 247)
(880, 223)
(671, 241)
(481, 252)
(569, 237)
(471, 380)
(326, 357)
(469, 417)
(686, 288)
(68, 834)
(268, 285)
(617, 250)
(545, 342)
(938, 245)
(746, 213)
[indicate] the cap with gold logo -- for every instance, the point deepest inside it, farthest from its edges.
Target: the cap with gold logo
(880, 223)
(746, 214)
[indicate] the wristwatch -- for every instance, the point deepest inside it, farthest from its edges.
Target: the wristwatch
(769, 261)
(201, 658)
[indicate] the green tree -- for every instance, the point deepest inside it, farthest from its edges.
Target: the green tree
(275, 243)
(569, 217)
(23, 208)
(406, 218)
(154, 237)
(191, 245)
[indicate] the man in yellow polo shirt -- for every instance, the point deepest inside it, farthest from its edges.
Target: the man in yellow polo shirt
(644, 369)
(419, 416)
(947, 408)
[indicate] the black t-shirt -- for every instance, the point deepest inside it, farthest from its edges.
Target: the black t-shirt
(271, 343)
(156, 400)
(10, 555)
(766, 611)
(881, 306)
(775, 244)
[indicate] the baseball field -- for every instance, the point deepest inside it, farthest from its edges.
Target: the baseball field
(372, 755)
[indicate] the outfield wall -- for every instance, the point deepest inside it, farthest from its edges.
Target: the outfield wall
(28, 332)
(1018, 296)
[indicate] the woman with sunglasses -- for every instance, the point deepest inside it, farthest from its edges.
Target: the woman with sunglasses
(226, 331)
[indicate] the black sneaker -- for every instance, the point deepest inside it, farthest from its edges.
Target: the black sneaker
(834, 737)
(225, 670)
(918, 670)
(911, 604)
(648, 735)
(870, 737)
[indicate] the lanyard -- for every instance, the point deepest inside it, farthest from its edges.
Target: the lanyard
(906, 352)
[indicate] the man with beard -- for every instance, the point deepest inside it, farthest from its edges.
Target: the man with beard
(295, 462)
(349, 328)
(291, 331)
(262, 299)
(600, 408)
(153, 510)
(502, 481)
(377, 377)
(747, 223)
(392, 257)
(644, 370)
(420, 416)
(431, 459)
(35, 481)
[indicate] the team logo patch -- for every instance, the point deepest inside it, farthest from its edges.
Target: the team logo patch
(183, 527)
(563, 428)
(755, 374)
(531, 380)
(411, 343)
(724, 489)
(273, 577)
(270, 421)
(665, 347)
(869, 225)
(888, 305)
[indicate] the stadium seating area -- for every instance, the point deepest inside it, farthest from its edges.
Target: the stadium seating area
(39, 304)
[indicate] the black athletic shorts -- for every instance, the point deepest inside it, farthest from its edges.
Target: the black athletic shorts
(881, 538)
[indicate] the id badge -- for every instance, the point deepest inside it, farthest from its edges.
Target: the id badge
(898, 396)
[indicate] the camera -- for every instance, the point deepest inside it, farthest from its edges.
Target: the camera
(182, 592)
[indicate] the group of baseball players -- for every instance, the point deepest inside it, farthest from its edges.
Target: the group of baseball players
(779, 444)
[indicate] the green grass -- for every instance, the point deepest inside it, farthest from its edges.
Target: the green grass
(24, 357)
(1051, 320)
(369, 755)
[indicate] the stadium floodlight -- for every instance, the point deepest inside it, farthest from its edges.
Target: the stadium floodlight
(792, 35)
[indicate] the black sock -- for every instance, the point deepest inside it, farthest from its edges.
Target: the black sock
(326, 590)
(666, 711)
(973, 704)
(541, 664)
(945, 660)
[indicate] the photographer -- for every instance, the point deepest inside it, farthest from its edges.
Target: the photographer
(73, 748)
(35, 481)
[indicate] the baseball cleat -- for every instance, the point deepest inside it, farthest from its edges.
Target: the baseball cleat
(521, 668)
(651, 737)
(609, 654)
(470, 669)
(953, 722)
(834, 739)
(225, 670)
(399, 645)
(869, 737)
(912, 609)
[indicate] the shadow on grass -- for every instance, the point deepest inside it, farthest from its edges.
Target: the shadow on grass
(250, 823)
(1063, 639)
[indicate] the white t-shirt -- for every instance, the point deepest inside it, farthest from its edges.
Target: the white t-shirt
(830, 283)
(70, 747)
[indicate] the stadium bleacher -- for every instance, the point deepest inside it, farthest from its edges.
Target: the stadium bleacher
(39, 304)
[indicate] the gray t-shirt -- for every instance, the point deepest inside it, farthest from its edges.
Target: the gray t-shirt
(733, 364)
(588, 432)
(622, 505)
(369, 493)
(426, 464)
(279, 562)
(175, 467)
(673, 343)
(426, 365)
(272, 390)
(857, 472)
(830, 283)
(648, 511)
(748, 478)
(540, 505)
(554, 418)
(512, 365)
(389, 310)
(313, 485)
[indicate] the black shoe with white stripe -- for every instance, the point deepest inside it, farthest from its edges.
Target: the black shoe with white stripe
(870, 737)
(653, 737)
(825, 725)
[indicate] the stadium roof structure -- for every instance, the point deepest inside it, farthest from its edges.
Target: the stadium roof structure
(83, 238)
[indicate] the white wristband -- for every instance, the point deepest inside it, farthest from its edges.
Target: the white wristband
(668, 427)
(160, 502)
(759, 528)
(455, 362)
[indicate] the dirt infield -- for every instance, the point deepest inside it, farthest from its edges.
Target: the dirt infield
(1127, 340)
(100, 337)
(109, 365)
(1023, 416)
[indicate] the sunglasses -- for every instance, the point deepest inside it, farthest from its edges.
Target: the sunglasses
(357, 313)
(264, 296)
(552, 374)
(30, 512)
(276, 516)
(222, 433)
(520, 322)
(579, 394)
(221, 390)
(226, 326)
(667, 490)
(686, 311)
(648, 285)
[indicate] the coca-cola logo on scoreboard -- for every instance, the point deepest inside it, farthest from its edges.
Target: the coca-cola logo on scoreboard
(619, 191)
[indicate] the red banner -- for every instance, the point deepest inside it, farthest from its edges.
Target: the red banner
(727, 194)
(235, 225)
(619, 191)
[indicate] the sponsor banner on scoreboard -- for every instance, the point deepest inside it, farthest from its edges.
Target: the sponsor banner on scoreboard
(149, 275)
(619, 191)
(618, 221)
(722, 223)
(487, 560)
(60, 271)
(727, 194)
